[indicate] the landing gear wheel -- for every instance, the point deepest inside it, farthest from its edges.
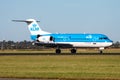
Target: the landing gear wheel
(73, 51)
(101, 51)
(58, 51)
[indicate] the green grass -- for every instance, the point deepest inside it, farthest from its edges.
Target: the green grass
(61, 66)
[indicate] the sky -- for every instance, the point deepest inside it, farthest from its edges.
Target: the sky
(60, 16)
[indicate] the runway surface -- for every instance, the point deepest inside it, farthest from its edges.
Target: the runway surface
(7, 54)
(25, 79)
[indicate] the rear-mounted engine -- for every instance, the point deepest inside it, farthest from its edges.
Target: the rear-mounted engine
(45, 39)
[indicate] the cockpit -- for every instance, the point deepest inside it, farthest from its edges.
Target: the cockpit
(103, 38)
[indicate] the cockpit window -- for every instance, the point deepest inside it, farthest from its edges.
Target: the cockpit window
(101, 38)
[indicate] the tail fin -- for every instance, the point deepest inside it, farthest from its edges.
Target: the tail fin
(33, 27)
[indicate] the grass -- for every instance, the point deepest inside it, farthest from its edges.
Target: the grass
(61, 66)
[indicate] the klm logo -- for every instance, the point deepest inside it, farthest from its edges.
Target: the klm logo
(34, 27)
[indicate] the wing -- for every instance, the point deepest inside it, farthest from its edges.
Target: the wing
(54, 45)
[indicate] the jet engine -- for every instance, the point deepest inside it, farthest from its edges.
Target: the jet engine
(45, 39)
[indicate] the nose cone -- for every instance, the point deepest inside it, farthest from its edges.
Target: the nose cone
(110, 42)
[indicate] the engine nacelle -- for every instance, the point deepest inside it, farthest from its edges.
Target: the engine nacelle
(45, 39)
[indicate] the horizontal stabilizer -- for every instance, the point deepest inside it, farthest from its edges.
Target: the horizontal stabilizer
(24, 21)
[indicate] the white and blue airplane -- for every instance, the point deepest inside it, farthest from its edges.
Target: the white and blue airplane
(60, 40)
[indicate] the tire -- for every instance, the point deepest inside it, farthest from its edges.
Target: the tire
(58, 51)
(73, 51)
(101, 51)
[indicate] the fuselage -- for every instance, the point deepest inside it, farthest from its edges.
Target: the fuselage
(79, 40)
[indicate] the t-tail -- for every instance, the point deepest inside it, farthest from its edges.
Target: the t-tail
(33, 27)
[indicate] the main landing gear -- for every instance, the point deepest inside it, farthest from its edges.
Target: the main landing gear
(58, 51)
(73, 51)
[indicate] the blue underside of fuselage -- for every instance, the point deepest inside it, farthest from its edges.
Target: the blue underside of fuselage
(76, 37)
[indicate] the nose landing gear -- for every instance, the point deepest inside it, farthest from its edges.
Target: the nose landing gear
(101, 50)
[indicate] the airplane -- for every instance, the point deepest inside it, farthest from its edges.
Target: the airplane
(65, 40)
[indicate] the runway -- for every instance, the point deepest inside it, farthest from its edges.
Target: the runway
(25, 79)
(59, 79)
(17, 54)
